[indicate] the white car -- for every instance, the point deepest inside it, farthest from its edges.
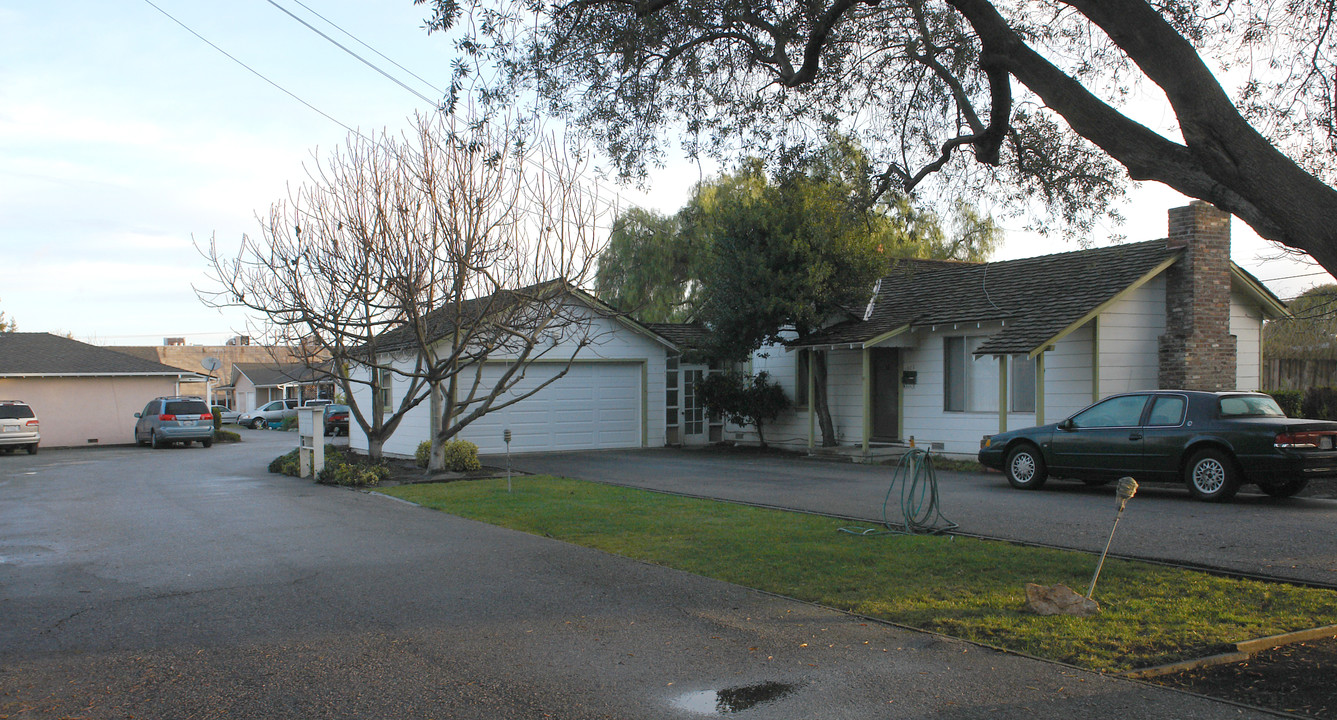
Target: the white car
(272, 412)
(19, 427)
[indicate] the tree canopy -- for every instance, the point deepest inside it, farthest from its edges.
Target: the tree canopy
(1032, 103)
(1311, 333)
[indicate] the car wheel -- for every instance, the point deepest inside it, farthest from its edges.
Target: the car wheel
(154, 442)
(32, 449)
(207, 443)
(1285, 488)
(257, 423)
(1025, 468)
(1211, 476)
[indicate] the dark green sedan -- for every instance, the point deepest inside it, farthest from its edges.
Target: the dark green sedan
(1212, 442)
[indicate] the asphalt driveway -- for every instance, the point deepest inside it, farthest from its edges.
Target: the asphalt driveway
(1293, 538)
(191, 583)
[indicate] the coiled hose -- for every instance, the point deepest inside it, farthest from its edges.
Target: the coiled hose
(919, 508)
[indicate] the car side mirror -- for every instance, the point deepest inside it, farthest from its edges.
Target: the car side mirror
(1067, 424)
(136, 414)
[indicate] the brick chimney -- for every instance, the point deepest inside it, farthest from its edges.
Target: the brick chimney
(1197, 351)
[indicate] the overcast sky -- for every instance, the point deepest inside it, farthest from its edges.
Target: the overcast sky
(125, 138)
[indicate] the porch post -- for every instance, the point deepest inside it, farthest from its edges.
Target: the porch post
(867, 397)
(1040, 388)
(1002, 393)
(812, 404)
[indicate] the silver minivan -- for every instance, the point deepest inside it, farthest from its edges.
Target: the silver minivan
(272, 412)
(19, 427)
(168, 420)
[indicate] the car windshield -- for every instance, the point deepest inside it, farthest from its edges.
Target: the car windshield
(185, 407)
(333, 409)
(15, 412)
(1250, 406)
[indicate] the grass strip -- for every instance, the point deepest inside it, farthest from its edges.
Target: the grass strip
(965, 588)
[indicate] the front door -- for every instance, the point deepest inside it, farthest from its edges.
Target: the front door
(886, 394)
(693, 417)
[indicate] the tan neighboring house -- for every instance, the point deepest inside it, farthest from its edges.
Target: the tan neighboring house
(254, 384)
(83, 394)
(192, 358)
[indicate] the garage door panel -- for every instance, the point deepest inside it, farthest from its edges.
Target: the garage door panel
(594, 406)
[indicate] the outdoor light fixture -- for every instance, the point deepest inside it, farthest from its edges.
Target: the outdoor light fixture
(1126, 490)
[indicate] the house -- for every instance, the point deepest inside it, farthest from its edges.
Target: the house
(945, 353)
(613, 393)
(194, 357)
(254, 384)
(83, 394)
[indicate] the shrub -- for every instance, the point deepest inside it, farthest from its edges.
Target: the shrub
(461, 456)
(289, 423)
(744, 399)
(1291, 401)
(354, 475)
(290, 463)
(1320, 403)
(226, 436)
(423, 455)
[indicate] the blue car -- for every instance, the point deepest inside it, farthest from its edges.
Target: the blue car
(168, 420)
(1213, 442)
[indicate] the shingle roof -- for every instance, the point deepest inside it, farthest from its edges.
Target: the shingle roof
(442, 321)
(271, 375)
(46, 354)
(687, 336)
(1035, 298)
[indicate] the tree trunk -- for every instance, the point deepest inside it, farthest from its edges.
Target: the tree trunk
(375, 447)
(818, 399)
(761, 438)
(435, 410)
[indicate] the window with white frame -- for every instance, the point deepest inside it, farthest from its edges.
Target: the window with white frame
(970, 383)
(384, 382)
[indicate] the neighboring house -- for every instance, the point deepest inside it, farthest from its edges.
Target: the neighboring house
(948, 352)
(192, 358)
(613, 395)
(254, 384)
(83, 394)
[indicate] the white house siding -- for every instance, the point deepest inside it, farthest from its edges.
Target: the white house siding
(1068, 371)
(619, 355)
(1129, 340)
(1246, 324)
(952, 433)
(844, 368)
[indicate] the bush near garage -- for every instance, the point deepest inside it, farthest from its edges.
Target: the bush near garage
(226, 436)
(460, 455)
(1320, 403)
(1290, 401)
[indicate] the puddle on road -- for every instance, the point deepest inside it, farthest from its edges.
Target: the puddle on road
(732, 700)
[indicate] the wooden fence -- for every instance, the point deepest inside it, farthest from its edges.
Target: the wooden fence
(1298, 374)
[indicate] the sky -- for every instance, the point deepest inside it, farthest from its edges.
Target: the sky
(126, 140)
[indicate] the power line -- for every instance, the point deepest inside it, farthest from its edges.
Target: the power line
(253, 71)
(334, 25)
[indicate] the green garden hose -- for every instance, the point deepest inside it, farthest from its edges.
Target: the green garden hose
(920, 513)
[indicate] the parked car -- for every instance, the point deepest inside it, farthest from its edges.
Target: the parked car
(336, 420)
(272, 412)
(168, 420)
(1212, 442)
(317, 403)
(224, 414)
(19, 427)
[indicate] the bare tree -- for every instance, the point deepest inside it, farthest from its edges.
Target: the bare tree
(419, 263)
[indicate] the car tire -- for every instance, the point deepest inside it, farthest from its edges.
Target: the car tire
(32, 449)
(154, 442)
(1211, 475)
(1025, 468)
(1285, 488)
(257, 423)
(207, 443)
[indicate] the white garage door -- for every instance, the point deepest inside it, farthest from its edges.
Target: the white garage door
(595, 406)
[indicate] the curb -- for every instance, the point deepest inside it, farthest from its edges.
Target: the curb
(1243, 651)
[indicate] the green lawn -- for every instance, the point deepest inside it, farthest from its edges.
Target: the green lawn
(961, 587)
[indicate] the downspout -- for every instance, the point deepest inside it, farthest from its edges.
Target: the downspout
(1040, 388)
(1002, 393)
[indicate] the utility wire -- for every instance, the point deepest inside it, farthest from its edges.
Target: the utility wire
(255, 72)
(336, 26)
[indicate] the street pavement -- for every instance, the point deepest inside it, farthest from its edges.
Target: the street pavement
(191, 583)
(1283, 538)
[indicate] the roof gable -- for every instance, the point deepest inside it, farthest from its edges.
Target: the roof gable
(37, 354)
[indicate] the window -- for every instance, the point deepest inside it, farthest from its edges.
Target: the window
(1021, 383)
(801, 377)
(1168, 410)
(970, 384)
(1122, 411)
(384, 382)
